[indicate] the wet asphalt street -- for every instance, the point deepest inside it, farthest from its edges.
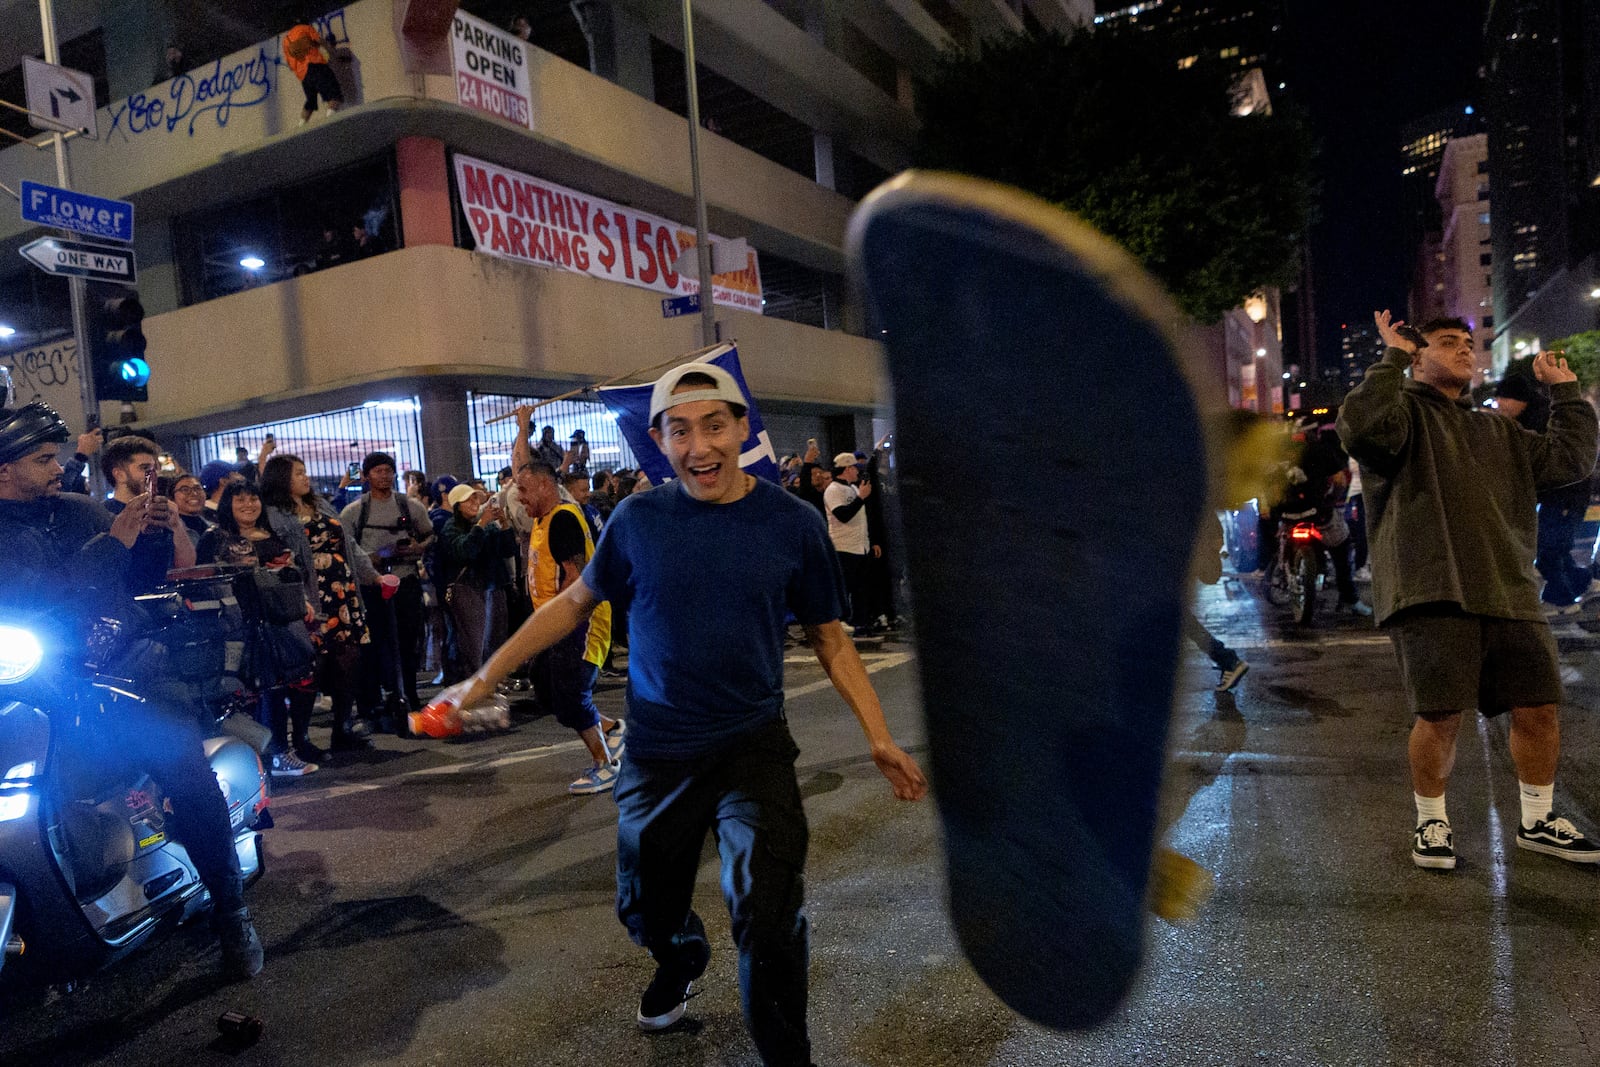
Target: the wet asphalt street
(450, 904)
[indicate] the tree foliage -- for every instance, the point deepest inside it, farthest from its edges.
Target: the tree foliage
(1111, 128)
(1583, 357)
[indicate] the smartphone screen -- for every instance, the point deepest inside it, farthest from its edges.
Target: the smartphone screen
(354, 470)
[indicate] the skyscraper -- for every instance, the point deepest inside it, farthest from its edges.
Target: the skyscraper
(1542, 99)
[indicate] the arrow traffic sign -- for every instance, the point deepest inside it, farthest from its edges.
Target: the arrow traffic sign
(104, 263)
(60, 94)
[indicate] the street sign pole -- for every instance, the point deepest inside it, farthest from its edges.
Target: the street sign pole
(708, 312)
(76, 287)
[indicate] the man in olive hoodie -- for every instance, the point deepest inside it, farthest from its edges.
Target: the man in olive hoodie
(1450, 490)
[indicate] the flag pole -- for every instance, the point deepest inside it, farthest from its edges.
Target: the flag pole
(687, 357)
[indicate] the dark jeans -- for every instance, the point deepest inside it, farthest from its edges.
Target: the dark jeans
(563, 682)
(858, 584)
(162, 738)
(748, 797)
(1564, 580)
(393, 658)
(1223, 656)
(1355, 516)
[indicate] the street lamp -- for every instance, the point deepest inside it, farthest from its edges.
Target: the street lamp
(252, 262)
(7, 331)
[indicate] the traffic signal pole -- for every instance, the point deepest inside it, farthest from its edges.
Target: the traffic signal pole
(76, 289)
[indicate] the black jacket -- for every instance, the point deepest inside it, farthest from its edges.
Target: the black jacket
(60, 556)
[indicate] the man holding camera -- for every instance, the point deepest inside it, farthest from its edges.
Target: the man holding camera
(1451, 490)
(394, 530)
(65, 545)
(129, 465)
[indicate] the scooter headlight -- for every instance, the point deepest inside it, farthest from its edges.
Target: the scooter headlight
(20, 654)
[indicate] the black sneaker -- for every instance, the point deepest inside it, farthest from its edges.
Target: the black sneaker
(1555, 835)
(242, 954)
(664, 998)
(1430, 846)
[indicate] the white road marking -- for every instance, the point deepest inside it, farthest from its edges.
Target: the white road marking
(874, 663)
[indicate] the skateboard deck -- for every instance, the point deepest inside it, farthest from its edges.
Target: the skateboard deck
(1047, 608)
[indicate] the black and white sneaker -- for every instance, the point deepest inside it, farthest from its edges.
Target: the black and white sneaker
(1431, 847)
(1555, 835)
(664, 998)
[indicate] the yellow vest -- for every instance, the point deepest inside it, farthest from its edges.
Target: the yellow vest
(544, 574)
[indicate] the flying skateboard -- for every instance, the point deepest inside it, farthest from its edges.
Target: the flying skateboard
(1047, 608)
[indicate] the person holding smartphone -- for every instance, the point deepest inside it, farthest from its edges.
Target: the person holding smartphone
(1450, 490)
(129, 465)
(395, 531)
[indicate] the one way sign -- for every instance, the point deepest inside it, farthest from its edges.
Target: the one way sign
(103, 263)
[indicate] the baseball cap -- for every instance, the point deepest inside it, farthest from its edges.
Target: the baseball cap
(662, 398)
(845, 459)
(212, 474)
(460, 494)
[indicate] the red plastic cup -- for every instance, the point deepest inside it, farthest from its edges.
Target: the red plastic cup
(389, 584)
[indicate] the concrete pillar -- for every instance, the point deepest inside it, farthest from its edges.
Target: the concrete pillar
(136, 37)
(424, 178)
(619, 46)
(822, 150)
(446, 437)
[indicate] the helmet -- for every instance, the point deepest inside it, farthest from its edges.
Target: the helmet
(28, 427)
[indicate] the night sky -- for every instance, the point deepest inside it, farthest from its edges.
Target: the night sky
(1362, 68)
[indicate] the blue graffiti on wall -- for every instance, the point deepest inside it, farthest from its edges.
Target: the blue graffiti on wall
(213, 91)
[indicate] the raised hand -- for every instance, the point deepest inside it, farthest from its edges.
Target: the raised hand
(129, 522)
(1390, 332)
(1551, 368)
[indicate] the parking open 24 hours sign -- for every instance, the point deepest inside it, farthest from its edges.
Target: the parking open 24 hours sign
(491, 70)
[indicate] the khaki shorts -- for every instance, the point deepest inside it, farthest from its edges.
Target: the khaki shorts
(1453, 661)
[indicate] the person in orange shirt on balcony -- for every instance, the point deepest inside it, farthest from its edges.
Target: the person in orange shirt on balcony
(307, 55)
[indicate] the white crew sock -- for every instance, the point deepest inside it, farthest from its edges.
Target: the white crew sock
(1537, 803)
(1430, 808)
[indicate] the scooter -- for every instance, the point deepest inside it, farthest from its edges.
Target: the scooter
(89, 870)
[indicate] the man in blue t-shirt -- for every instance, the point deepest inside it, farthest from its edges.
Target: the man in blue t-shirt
(706, 570)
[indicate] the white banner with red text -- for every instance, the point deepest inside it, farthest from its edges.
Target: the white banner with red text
(519, 217)
(491, 68)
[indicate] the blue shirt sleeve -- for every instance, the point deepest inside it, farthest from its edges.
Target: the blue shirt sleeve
(609, 571)
(815, 588)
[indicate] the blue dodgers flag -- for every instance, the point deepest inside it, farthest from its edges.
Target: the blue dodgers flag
(631, 405)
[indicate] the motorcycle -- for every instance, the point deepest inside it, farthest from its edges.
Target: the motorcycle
(89, 869)
(1300, 571)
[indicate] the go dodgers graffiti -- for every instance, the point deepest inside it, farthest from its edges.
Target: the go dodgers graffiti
(243, 80)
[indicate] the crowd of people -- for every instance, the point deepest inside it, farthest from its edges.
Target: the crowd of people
(410, 579)
(358, 594)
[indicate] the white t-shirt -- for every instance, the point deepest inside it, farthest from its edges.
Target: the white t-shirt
(846, 536)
